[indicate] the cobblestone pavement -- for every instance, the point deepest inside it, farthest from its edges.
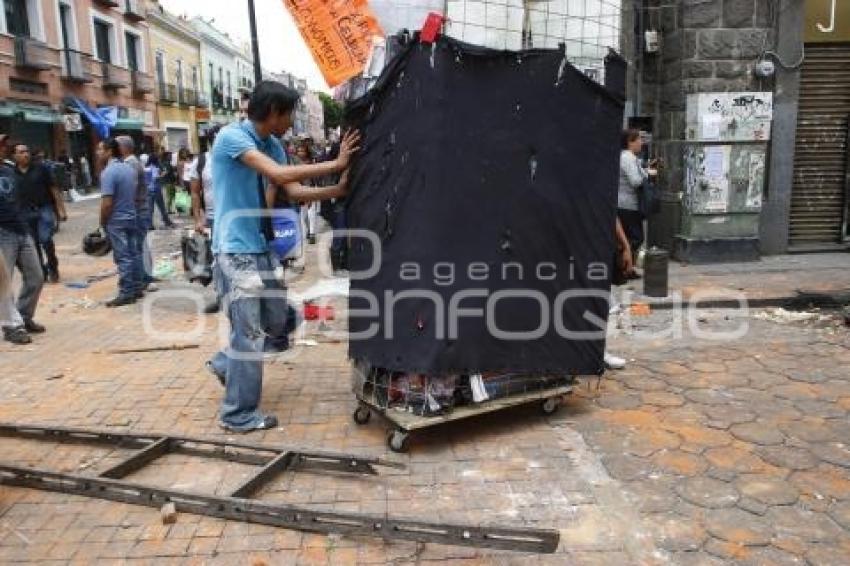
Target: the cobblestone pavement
(700, 452)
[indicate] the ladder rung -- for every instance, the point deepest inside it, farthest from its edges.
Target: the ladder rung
(139, 459)
(253, 485)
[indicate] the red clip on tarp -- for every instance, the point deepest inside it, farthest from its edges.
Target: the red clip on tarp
(431, 29)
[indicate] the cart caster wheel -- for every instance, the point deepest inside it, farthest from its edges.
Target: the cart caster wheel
(362, 415)
(399, 441)
(549, 406)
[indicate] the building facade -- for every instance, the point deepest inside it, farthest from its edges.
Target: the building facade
(222, 63)
(747, 103)
(175, 50)
(55, 51)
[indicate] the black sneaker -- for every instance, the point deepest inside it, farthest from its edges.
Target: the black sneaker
(120, 302)
(33, 327)
(269, 422)
(17, 336)
(213, 308)
(53, 277)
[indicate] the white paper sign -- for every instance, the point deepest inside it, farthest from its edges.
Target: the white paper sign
(711, 127)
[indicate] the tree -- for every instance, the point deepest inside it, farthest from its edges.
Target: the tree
(333, 111)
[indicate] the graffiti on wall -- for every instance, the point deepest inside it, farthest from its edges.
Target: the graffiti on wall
(730, 116)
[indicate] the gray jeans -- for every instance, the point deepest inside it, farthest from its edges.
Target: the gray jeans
(19, 250)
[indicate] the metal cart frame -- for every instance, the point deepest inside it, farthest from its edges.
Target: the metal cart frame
(405, 423)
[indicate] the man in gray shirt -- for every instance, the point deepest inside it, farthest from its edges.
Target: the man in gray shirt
(128, 147)
(119, 217)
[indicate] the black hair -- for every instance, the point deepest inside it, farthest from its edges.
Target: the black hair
(113, 146)
(629, 136)
(271, 96)
(153, 160)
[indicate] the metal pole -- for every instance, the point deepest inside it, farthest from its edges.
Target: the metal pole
(255, 45)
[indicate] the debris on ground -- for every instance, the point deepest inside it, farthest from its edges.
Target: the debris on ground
(168, 512)
(812, 318)
(167, 348)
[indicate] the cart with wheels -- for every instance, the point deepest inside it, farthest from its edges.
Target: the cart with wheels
(372, 397)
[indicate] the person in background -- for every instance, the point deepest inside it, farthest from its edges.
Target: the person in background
(17, 248)
(244, 154)
(143, 253)
(203, 202)
(309, 211)
(119, 218)
(153, 179)
(182, 162)
(632, 176)
(169, 178)
(623, 264)
(85, 171)
(244, 101)
(42, 205)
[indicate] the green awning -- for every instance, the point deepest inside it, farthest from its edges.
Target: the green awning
(127, 124)
(42, 116)
(30, 113)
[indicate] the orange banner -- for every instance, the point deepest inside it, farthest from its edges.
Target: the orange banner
(339, 34)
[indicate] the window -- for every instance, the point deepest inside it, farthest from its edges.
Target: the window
(160, 67)
(66, 24)
(178, 74)
(195, 82)
(103, 48)
(17, 18)
(132, 42)
(229, 86)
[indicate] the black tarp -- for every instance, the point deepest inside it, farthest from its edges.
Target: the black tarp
(478, 160)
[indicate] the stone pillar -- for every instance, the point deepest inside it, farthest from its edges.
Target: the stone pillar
(706, 46)
(775, 215)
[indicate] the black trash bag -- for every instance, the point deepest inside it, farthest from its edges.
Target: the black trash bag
(96, 244)
(197, 258)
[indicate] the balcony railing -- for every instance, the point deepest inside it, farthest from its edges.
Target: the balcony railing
(142, 83)
(76, 66)
(114, 76)
(33, 54)
(167, 92)
(108, 3)
(134, 10)
(188, 97)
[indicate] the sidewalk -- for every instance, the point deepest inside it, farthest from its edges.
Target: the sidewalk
(772, 281)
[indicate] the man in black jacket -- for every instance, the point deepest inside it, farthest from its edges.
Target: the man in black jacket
(42, 205)
(18, 249)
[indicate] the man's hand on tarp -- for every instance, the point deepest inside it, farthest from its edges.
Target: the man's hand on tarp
(348, 147)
